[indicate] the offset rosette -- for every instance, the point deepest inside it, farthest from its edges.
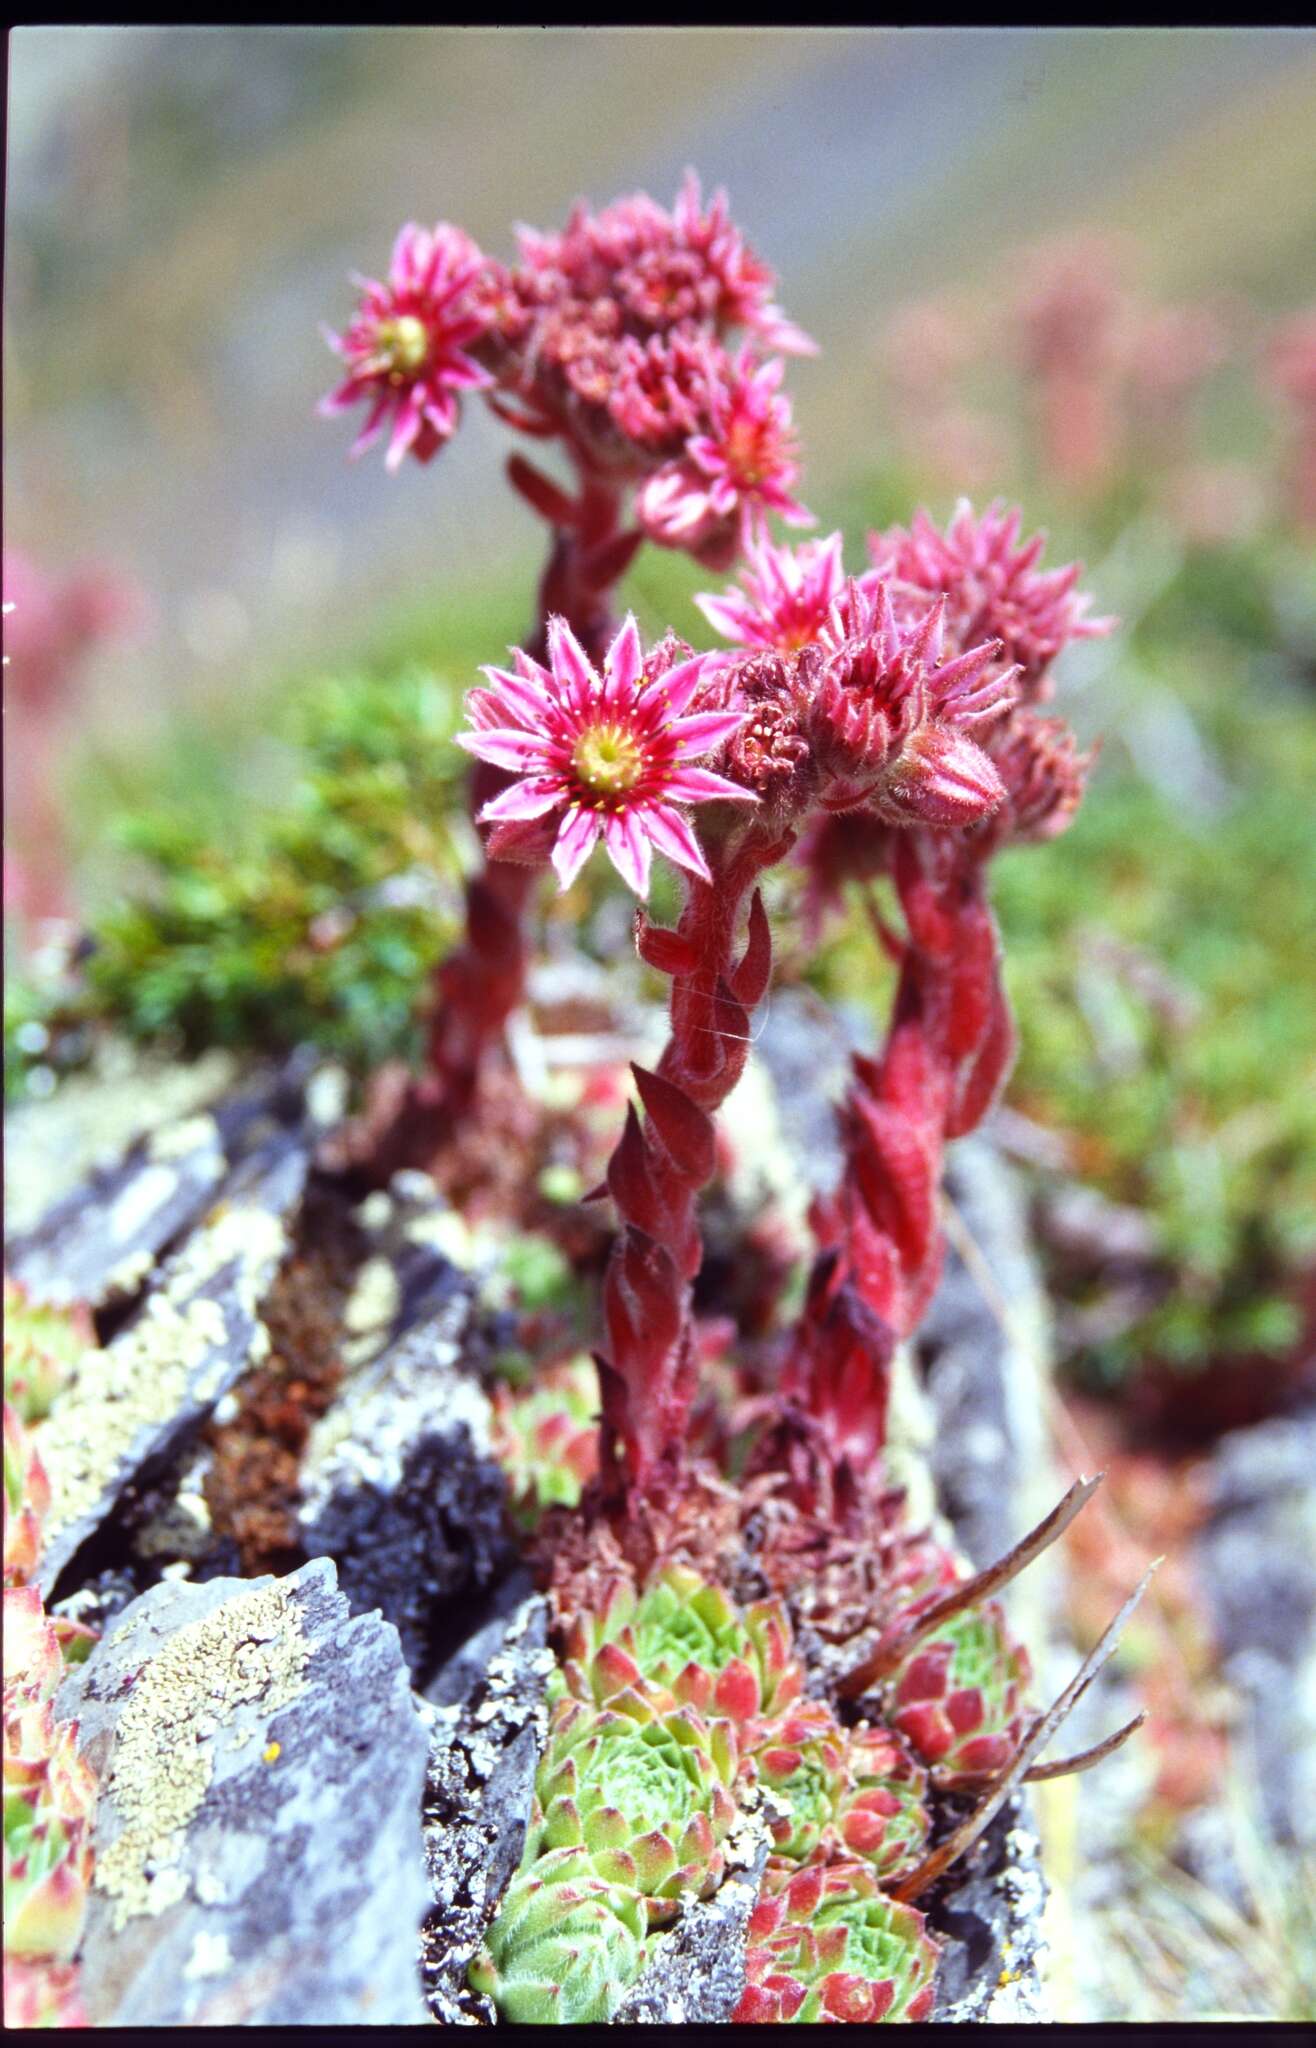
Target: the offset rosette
(826, 1945)
(683, 1633)
(566, 1945)
(49, 1792)
(959, 1699)
(42, 1346)
(642, 1785)
(546, 1438)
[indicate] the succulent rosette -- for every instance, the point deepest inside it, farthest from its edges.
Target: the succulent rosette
(39, 1993)
(644, 1786)
(49, 1792)
(546, 1437)
(959, 1699)
(825, 1944)
(565, 1946)
(684, 1633)
(801, 1762)
(42, 1346)
(881, 1815)
(632, 1805)
(27, 1496)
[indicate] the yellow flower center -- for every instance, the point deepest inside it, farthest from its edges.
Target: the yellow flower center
(404, 344)
(608, 759)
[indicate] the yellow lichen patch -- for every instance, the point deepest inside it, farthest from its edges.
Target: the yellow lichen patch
(148, 1374)
(271, 1753)
(250, 1649)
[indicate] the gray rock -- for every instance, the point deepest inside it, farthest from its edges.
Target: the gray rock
(399, 1486)
(100, 1242)
(1257, 1560)
(258, 1847)
(696, 1970)
(990, 1925)
(983, 1347)
(484, 1751)
(130, 1408)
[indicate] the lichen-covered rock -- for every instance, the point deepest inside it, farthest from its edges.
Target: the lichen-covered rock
(258, 1849)
(129, 1408)
(100, 1241)
(988, 1925)
(400, 1487)
(488, 1729)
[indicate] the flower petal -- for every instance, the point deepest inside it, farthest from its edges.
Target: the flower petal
(674, 690)
(515, 750)
(575, 843)
(674, 835)
(526, 799)
(629, 850)
(571, 664)
(624, 664)
(703, 730)
(698, 785)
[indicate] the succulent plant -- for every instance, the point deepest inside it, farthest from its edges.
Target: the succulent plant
(49, 1792)
(644, 1786)
(546, 1437)
(825, 1944)
(42, 1345)
(632, 1804)
(802, 1762)
(27, 1496)
(684, 1632)
(39, 1993)
(882, 1815)
(958, 1699)
(565, 1946)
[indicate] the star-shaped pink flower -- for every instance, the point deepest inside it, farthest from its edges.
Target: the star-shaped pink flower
(612, 751)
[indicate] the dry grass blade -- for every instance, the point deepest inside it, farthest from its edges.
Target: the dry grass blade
(1034, 1743)
(1070, 1766)
(896, 1645)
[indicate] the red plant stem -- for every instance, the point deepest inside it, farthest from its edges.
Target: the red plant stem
(482, 980)
(663, 1161)
(881, 1242)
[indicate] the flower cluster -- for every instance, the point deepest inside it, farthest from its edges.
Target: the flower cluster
(613, 335)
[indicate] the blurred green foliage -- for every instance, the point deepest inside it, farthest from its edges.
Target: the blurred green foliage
(318, 918)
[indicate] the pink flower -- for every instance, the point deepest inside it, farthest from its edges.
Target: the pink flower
(785, 596)
(992, 586)
(891, 717)
(406, 348)
(611, 751)
(744, 283)
(740, 468)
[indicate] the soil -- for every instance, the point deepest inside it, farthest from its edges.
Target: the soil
(251, 1488)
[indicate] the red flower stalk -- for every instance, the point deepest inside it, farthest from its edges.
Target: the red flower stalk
(613, 338)
(951, 1039)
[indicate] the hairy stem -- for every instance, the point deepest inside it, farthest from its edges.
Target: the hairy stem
(664, 1160)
